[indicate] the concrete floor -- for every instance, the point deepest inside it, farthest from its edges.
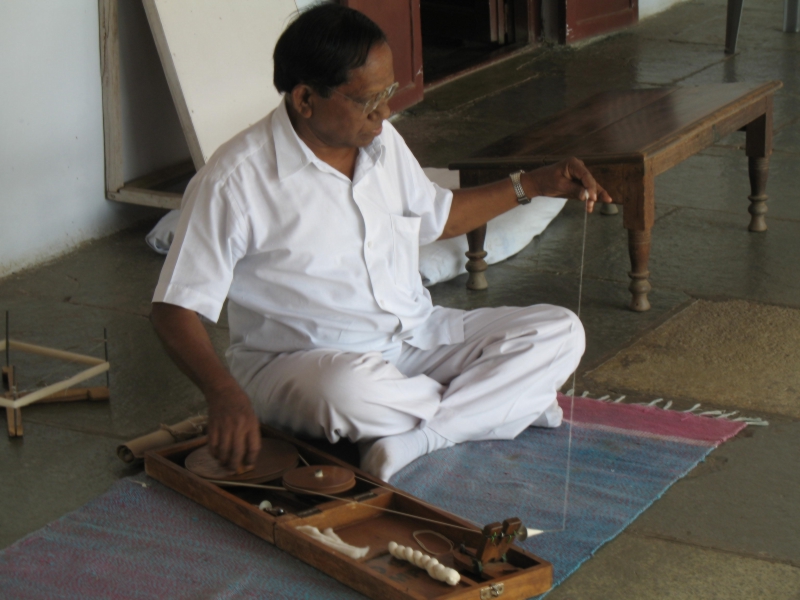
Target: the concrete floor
(731, 529)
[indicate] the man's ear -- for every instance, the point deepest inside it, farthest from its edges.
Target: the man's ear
(301, 99)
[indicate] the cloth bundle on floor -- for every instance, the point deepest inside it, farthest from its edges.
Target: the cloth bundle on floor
(150, 542)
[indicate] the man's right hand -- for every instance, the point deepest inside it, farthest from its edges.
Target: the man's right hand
(233, 429)
(234, 433)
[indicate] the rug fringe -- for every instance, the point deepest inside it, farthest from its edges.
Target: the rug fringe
(717, 414)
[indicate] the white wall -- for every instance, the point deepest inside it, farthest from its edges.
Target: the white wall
(648, 8)
(51, 133)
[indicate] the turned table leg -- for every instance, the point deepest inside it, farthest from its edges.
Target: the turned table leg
(476, 265)
(758, 167)
(639, 250)
(759, 148)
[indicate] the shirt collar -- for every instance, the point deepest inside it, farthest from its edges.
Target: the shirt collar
(292, 154)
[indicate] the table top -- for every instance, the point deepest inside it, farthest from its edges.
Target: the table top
(630, 122)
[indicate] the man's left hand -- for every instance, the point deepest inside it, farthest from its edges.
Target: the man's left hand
(568, 178)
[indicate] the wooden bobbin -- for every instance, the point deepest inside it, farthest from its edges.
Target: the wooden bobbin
(321, 479)
(275, 458)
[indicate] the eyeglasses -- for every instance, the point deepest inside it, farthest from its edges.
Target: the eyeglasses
(375, 101)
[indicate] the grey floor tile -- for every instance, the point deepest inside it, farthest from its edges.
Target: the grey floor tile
(650, 569)
(50, 472)
(743, 499)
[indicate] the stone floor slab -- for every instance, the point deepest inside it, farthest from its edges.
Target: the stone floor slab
(651, 569)
(743, 499)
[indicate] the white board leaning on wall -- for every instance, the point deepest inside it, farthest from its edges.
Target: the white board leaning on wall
(218, 60)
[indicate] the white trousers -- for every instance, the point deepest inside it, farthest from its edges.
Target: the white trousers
(500, 380)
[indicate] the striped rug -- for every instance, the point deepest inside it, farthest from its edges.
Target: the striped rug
(141, 540)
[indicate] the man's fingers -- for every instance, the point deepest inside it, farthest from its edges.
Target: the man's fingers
(213, 438)
(234, 434)
(589, 202)
(253, 445)
(604, 197)
(223, 449)
(237, 451)
(591, 191)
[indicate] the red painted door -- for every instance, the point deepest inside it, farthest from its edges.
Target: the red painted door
(400, 20)
(585, 18)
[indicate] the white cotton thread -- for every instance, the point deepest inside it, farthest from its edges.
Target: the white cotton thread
(436, 534)
(574, 379)
(434, 568)
(330, 539)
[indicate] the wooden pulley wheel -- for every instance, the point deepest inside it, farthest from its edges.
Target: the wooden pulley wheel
(275, 458)
(322, 479)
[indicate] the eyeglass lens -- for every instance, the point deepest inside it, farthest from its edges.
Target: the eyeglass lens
(380, 98)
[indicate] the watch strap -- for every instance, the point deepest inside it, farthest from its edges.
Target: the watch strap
(515, 180)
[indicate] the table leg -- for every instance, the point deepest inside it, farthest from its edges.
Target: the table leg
(639, 250)
(734, 18)
(790, 14)
(476, 265)
(608, 209)
(758, 167)
(759, 148)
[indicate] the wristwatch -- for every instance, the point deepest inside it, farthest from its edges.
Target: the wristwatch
(521, 197)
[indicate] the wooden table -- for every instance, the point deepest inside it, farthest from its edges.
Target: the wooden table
(627, 138)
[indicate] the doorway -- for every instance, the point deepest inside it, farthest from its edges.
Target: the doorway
(458, 35)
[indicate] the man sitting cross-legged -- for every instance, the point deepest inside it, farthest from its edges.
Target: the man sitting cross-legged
(309, 222)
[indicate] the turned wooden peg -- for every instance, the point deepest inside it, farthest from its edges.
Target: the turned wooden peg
(758, 168)
(476, 265)
(639, 250)
(609, 209)
(13, 415)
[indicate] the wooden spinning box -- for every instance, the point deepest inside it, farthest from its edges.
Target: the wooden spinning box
(369, 514)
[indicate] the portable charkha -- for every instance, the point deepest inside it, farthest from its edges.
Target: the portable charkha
(363, 532)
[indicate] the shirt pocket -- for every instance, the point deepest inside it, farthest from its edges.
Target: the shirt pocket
(405, 251)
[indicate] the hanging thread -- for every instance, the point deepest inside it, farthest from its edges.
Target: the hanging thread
(574, 378)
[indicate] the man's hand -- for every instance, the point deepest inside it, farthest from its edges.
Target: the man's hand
(233, 429)
(472, 207)
(568, 178)
(234, 435)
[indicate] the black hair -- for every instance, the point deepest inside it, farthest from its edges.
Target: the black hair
(321, 46)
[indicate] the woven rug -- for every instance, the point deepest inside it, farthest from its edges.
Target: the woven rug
(734, 354)
(141, 540)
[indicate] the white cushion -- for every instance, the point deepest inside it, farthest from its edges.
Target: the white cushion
(505, 235)
(444, 259)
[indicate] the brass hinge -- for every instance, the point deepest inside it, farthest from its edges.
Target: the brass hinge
(495, 590)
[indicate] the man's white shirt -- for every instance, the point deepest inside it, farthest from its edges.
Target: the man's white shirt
(307, 257)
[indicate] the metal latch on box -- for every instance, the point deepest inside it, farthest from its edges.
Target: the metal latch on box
(494, 590)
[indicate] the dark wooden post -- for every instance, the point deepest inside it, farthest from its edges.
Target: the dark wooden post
(638, 216)
(759, 148)
(476, 265)
(639, 251)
